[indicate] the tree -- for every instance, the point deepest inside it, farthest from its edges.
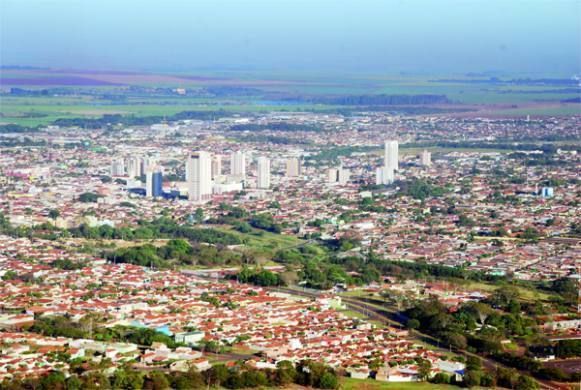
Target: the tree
(199, 215)
(158, 381)
(54, 214)
(526, 383)
(329, 381)
(472, 378)
(53, 381)
(413, 323)
(127, 379)
(285, 373)
(74, 383)
(424, 369)
(217, 375)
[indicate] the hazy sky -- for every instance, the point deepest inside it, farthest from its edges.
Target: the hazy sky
(434, 36)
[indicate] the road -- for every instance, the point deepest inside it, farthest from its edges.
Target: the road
(375, 313)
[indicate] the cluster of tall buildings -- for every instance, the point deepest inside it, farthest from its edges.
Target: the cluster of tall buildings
(204, 174)
(386, 173)
(134, 168)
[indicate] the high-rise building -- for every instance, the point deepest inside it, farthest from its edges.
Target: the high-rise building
(343, 176)
(332, 175)
(386, 174)
(118, 167)
(154, 183)
(238, 164)
(133, 167)
(199, 169)
(391, 155)
(146, 163)
(263, 176)
(216, 166)
(426, 158)
(293, 167)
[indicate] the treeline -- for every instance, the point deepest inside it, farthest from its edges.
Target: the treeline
(259, 277)
(277, 126)
(158, 228)
(379, 100)
(239, 376)
(12, 128)
(131, 120)
(176, 252)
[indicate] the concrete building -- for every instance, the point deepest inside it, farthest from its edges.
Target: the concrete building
(238, 164)
(332, 175)
(199, 179)
(391, 155)
(293, 167)
(118, 167)
(263, 173)
(133, 167)
(154, 183)
(426, 158)
(216, 166)
(343, 176)
(386, 174)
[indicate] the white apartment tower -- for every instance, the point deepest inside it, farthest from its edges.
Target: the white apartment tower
(293, 167)
(386, 174)
(263, 176)
(199, 176)
(391, 155)
(238, 164)
(118, 167)
(426, 158)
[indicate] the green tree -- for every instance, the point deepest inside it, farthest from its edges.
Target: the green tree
(526, 383)
(54, 214)
(158, 381)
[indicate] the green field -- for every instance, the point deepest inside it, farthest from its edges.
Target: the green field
(372, 384)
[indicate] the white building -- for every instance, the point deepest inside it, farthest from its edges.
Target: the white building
(263, 173)
(293, 167)
(118, 167)
(199, 179)
(386, 174)
(391, 155)
(238, 164)
(426, 158)
(133, 167)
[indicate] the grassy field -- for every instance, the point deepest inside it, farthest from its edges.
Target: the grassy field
(372, 384)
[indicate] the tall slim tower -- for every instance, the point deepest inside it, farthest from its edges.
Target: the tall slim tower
(154, 183)
(263, 179)
(238, 164)
(199, 169)
(391, 155)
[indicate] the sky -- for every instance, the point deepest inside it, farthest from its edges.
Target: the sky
(414, 36)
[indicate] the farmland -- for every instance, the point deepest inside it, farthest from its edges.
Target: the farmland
(44, 95)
